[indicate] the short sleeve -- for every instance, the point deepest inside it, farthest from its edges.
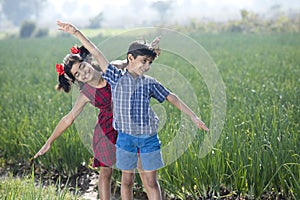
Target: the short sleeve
(158, 91)
(112, 75)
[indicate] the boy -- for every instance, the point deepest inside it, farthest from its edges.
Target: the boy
(135, 121)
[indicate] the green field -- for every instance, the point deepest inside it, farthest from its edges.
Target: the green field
(257, 154)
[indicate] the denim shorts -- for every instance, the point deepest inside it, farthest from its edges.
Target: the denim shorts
(128, 147)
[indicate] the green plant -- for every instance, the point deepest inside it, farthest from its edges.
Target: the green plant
(257, 153)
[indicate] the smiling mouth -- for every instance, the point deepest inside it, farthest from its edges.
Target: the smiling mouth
(143, 70)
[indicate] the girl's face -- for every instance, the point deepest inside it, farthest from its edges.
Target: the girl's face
(139, 65)
(82, 71)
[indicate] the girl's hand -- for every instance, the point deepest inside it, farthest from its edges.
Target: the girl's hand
(66, 27)
(43, 150)
(200, 124)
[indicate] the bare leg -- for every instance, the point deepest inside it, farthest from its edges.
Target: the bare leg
(104, 181)
(127, 185)
(150, 182)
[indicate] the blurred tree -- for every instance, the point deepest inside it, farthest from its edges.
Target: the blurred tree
(162, 7)
(42, 32)
(27, 29)
(244, 14)
(18, 11)
(96, 21)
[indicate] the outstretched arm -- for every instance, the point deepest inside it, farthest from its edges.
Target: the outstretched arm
(63, 124)
(178, 103)
(97, 54)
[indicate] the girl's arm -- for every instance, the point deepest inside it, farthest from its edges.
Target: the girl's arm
(97, 54)
(178, 103)
(120, 64)
(64, 123)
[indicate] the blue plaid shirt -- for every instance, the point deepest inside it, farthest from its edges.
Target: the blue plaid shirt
(131, 101)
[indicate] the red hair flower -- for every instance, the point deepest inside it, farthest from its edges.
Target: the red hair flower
(60, 69)
(75, 50)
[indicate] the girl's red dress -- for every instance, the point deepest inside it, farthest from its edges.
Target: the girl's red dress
(105, 136)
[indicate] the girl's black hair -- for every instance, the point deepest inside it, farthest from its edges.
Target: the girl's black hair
(84, 53)
(67, 79)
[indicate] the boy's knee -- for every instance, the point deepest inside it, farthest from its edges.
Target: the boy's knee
(128, 179)
(152, 183)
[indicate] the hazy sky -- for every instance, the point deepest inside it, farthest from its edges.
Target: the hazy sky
(131, 13)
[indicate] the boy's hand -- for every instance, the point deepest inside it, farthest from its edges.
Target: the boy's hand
(43, 150)
(200, 124)
(66, 27)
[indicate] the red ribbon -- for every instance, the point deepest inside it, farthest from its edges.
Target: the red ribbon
(60, 69)
(75, 50)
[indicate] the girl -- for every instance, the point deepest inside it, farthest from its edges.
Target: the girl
(77, 67)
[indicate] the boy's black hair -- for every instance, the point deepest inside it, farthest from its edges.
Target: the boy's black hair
(137, 48)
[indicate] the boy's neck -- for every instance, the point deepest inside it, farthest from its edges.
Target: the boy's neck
(131, 72)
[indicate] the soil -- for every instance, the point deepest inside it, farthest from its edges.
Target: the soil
(86, 182)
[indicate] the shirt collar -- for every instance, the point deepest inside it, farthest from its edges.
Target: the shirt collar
(125, 72)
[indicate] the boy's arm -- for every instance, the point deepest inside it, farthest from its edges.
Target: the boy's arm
(178, 103)
(90, 46)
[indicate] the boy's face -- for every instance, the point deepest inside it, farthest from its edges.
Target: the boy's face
(139, 65)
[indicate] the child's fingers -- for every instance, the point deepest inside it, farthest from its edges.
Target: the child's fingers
(59, 23)
(203, 126)
(36, 155)
(39, 153)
